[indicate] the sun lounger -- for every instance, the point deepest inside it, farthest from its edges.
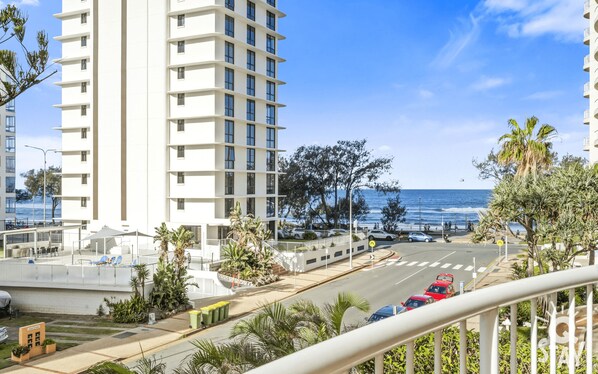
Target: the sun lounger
(119, 259)
(101, 261)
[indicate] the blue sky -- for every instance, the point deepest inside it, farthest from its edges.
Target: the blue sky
(431, 83)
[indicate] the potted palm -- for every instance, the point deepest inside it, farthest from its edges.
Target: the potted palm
(49, 346)
(20, 353)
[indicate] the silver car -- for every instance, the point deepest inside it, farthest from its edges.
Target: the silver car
(3, 334)
(381, 235)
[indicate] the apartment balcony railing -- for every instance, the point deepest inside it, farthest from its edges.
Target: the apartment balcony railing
(586, 9)
(586, 36)
(586, 90)
(340, 354)
(586, 116)
(586, 63)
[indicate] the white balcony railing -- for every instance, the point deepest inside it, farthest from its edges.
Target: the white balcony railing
(586, 90)
(586, 9)
(586, 116)
(340, 354)
(586, 36)
(586, 144)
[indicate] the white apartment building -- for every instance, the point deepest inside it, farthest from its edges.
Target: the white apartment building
(169, 113)
(590, 90)
(8, 164)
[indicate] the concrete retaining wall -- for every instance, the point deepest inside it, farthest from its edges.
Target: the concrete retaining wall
(308, 260)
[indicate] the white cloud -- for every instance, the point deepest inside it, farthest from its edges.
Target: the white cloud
(543, 95)
(425, 94)
(459, 40)
(385, 148)
(487, 83)
(29, 2)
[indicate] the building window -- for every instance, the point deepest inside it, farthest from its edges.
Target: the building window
(10, 144)
(250, 110)
(10, 184)
(271, 67)
(229, 205)
(180, 177)
(229, 131)
(83, 202)
(180, 151)
(270, 183)
(10, 164)
(83, 18)
(83, 64)
(271, 20)
(10, 123)
(250, 35)
(270, 137)
(180, 99)
(270, 44)
(229, 52)
(180, 21)
(83, 133)
(270, 161)
(251, 10)
(250, 85)
(229, 157)
(11, 205)
(84, 41)
(229, 26)
(180, 125)
(270, 207)
(229, 79)
(250, 60)
(250, 134)
(270, 91)
(180, 204)
(181, 46)
(251, 206)
(229, 105)
(83, 87)
(11, 106)
(270, 115)
(229, 183)
(180, 72)
(250, 159)
(272, 2)
(83, 110)
(250, 183)
(230, 4)
(84, 179)
(83, 156)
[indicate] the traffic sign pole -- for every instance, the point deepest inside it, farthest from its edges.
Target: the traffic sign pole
(372, 244)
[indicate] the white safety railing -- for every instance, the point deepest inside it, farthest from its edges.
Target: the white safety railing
(340, 354)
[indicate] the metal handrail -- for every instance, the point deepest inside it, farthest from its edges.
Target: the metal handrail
(341, 353)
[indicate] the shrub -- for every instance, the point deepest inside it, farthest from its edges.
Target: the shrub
(356, 238)
(101, 311)
(332, 245)
(309, 235)
(170, 288)
(20, 350)
(133, 310)
(48, 341)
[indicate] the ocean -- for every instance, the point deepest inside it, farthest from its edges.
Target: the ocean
(25, 212)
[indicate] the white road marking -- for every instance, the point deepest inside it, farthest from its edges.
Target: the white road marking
(457, 267)
(482, 269)
(469, 268)
(422, 269)
(401, 263)
(435, 264)
(423, 264)
(445, 266)
(413, 263)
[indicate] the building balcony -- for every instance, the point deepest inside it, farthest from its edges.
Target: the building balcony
(586, 63)
(596, 113)
(586, 144)
(586, 36)
(586, 90)
(586, 9)
(586, 116)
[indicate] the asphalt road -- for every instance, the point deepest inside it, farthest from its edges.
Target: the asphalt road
(389, 282)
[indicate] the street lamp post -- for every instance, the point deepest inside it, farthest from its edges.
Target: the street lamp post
(351, 228)
(44, 187)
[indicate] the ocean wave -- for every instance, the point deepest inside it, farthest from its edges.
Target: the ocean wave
(465, 210)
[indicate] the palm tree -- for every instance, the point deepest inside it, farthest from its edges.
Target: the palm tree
(142, 273)
(531, 151)
(162, 236)
(181, 239)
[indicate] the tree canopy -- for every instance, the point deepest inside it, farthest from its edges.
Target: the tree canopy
(34, 184)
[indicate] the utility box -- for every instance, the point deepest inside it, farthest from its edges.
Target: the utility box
(194, 319)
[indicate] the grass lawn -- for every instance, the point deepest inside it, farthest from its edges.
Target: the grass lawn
(80, 330)
(97, 323)
(5, 354)
(23, 320)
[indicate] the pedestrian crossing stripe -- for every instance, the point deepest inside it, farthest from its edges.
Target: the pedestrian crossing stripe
(435, 264)
(469, 268)
(413, 263)
(482, 269)
(457, 267)
(445, 266)
(423, 264)
(400, 262)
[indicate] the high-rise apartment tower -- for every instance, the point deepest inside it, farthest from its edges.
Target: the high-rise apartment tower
(590, 89)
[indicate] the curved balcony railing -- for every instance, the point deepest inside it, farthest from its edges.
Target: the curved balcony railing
(340, 354)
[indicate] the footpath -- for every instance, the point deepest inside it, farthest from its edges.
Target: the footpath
(145, 338)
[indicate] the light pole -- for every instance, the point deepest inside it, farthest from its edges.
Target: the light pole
(350, 228)
(44, 192)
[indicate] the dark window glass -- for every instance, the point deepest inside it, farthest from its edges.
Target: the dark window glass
(229, 183)
(250, 159)
(250, 85)
(250, 110)
(83, 64)
(10, 144)
(229, 52)
(271, 44)
(229, 26)
(270, 207)
(229, 105)
(250, 134)
(229, 131)
(83, 110)
(10, 123)
(10, 164)
(272, 2)
(270, 137)
(270, 161)
(180, 72)
(250, 183)
(229, 157)
(230, 4)
(250, 60)
(83, 156)
(271, 20)
(84, 179)
(83, 18)
(270, 183)
(83, 87)
(251, 206)
(180, 21)
(10, 184)
(251, 10)
(180, 177)
(180, 125)
(270, 91)
(229, 79)
(229, 205)
(11, 205)
(84, 41)
(83, 202)
(250, 35)
(180, 151)
(181, 46)
(83, 133)
(270, 115)
(180, 99)
(180, 204)
(271, 67)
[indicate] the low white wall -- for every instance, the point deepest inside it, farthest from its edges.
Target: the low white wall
(208, 285)
(308, 260)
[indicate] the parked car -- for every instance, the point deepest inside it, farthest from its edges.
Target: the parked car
(446, 277)
(417, 301)
(337, 232)
(3, 334)
(297, 233)
(385, 312)
(381, 235)
(284, 234)
(440, 290)
(419, 236)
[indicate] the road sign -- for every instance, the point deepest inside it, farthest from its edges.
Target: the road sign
(372, 243)
(500, 243)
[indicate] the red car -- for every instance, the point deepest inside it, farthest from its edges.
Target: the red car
(417, 301)
(440, 290)
(445, 277)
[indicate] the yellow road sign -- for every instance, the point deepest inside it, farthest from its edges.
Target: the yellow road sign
(500, 243)
(372, 243)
